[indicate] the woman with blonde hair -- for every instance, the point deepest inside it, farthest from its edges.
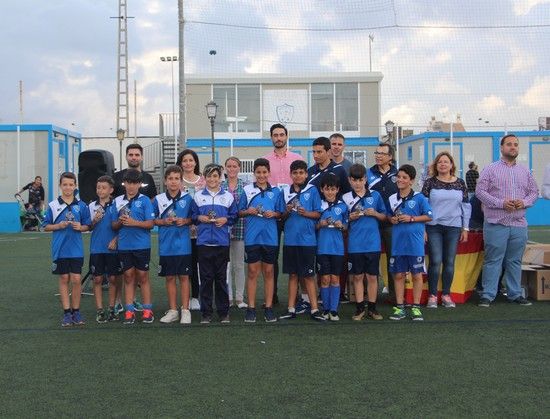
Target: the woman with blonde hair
(448, 197)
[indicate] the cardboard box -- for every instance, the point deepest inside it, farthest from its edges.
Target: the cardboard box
(537, 282)
(536, 254)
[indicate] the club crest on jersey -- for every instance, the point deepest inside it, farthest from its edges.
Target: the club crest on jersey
(394, 179)
(222, 199)
(270, 195)
(411, 204)
(306, 196)
(138, 204)
(76, 209)
(182, 204)
(338, 211)
(369, 200)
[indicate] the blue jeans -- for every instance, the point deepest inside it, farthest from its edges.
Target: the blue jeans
(502, 243)
(442, 243)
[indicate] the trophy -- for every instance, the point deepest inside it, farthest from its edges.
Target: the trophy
(330, 222)
(295, 203)
(171, 214)
(69, 216)
(99, 212)
(360, 209)
(124, 211)
(212, 216)
(260, 209)
(397, 213)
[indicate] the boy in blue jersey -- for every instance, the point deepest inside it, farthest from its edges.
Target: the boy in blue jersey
(365, 208)
(132, 216)
(214, 211)
(330, 244)
(260, 205)
(409, 211)
(303, 209)
(68, 217)
(103, 256)
(173, 216)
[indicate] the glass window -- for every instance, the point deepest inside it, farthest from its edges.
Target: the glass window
(225, 98)
(248, 119)
(347, 109)
(322, 107)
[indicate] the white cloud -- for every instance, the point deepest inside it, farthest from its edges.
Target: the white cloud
(260, 63)
(490, 104)
(406, 114)
(446, 84)
(522, 60)
(523, 7)
(538, 95)
(443, 57)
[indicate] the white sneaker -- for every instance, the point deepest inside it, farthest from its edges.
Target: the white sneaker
(185, 316)
(242, 304)
(385, 290)
(170, 316)
(194, 304)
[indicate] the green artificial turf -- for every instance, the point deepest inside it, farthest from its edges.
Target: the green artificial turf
(466, 362)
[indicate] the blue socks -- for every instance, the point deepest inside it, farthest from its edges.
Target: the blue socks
(334, 298)
(325, 296)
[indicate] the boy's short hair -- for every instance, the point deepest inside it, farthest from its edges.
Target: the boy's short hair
(173, 169)
(357, 171)
(297, 165)
(330, 179)
(211, 168)
(132, 176)
(324, 141)
(261, 162)
(106, 179)
(67, 175)
(134, 146)
(409, 170)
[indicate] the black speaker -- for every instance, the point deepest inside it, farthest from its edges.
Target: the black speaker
(93, 164)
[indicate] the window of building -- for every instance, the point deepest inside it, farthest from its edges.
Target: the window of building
(238, 108)
(334, 107)
(356, 156)
(409, 153)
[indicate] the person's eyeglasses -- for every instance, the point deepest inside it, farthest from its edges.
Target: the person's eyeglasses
(381, 153)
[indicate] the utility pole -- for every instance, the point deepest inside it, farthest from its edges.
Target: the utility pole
(182, 136)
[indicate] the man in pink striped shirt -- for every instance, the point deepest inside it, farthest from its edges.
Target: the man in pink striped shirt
(280, 159)
(279, 175)
(505, 189)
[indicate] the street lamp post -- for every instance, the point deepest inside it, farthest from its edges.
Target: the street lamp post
(211, 109)
(120, 133)
(171, 60)
(390, 125)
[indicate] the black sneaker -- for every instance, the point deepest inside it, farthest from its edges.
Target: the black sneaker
(288, 315)
(484, 302)
(269, 316)
(522, 301)
(344, 299)
(113, 316)
(224, 319)
(101, 316)
(250, 316)
(206, 319)
(318, 316)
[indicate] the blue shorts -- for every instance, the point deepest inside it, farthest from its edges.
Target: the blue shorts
(175, 265)
(299, 260)
(412, 264)
(260, 253)
(138, 259)
(364, 263)
(63, 266)
(330, 264)
(104, 264)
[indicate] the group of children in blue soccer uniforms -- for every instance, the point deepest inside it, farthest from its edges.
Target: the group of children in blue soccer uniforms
(316, 215)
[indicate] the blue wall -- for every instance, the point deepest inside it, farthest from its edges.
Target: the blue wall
(9, 217)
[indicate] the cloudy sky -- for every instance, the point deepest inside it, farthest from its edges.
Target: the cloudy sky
(486, 59)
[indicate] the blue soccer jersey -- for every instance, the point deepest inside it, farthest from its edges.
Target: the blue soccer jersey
(408, 238)
(315, 175)
(364, 233)
(140, 209)
(214, 205)
(173, 240)
(260, 230)
(102, 232)
(330, 240)
(67, 243)
(299, 230)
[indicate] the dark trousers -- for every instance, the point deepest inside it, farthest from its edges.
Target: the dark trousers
(213, 273)
(385, 235)
(280, 226)
(195, 270)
